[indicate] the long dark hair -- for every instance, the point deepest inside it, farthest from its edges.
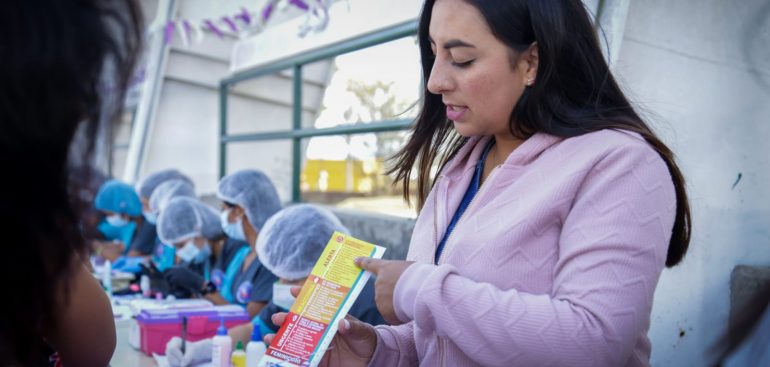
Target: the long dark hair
(61, 63)
(575, 93)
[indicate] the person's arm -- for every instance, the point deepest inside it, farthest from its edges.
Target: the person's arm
(611, 252)
(216, 298)
(395, 346)
(110, 250)
(241, 333)
(253, 308)
(85, 335)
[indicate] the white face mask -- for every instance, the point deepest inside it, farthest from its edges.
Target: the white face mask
(282, 295)
(188, 252)
(116, 220)
(232, 230)
(150, 217)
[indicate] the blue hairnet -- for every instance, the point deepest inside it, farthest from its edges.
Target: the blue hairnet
(253, 191)
(145, 187)
(293, 239)
(167, 191)
(118, 197)
(184, 218)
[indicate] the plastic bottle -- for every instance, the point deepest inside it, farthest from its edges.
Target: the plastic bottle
(239, 356)
(107, 277)
(221, 346)
(144, 285)
(255, 349)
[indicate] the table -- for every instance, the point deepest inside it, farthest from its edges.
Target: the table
(125, 355)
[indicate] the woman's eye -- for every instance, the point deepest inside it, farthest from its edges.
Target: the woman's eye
(462, 64)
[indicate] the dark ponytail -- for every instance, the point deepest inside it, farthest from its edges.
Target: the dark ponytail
(574, 94)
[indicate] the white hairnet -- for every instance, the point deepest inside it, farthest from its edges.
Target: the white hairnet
(184, 218)
(293, 239)
(167, 191)
(145, 187)
(253, 191)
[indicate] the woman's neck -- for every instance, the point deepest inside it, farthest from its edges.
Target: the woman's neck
(505, 144)
(251, 236)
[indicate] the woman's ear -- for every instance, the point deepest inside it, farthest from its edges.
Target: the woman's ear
(532, 60)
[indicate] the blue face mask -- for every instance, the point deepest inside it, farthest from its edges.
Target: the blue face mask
(232, 230)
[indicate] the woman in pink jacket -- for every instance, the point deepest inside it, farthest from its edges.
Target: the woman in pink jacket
(541, 240)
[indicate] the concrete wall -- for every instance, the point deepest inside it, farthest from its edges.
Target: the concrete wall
(701, 71)
(183, 133)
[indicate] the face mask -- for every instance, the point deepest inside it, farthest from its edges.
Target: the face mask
(232, 230)
(282, 295)
(188, 252)
(203, 254)
(116, 220)
(150, 217)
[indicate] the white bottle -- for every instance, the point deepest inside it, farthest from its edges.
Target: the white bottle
(107, 277)
(144, 285)
(255, 349)
(221, 347)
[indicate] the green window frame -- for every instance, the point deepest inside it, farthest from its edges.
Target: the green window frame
(297, 133)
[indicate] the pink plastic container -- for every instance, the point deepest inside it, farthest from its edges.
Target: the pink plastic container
(157, 327)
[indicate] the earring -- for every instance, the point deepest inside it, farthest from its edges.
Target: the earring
(530, 82)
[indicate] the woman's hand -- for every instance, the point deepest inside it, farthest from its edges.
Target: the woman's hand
(353, 345)
(387, 272)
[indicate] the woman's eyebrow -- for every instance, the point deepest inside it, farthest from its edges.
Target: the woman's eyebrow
(453, 43)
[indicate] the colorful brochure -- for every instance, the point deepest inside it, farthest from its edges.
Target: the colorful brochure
(325, 299)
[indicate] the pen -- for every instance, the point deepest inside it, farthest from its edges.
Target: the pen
(184, 331)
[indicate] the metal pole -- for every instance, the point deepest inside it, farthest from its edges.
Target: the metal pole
(223, 89)
(297, 125)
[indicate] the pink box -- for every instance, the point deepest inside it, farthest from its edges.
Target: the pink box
(157, 327)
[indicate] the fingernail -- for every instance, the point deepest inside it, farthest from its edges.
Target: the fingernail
(358, 260)
(347, 324)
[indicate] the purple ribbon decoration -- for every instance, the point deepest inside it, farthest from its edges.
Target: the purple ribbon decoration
(187, 28)
(300, 4)
(244, 16)
(267, 11)
(213, 28)
(230, 24)
(169, 35)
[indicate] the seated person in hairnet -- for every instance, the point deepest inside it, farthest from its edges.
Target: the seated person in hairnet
(188, 227)
(290, 244)
(147, 239)
(122, 212)
(159, 199)
(239, 277)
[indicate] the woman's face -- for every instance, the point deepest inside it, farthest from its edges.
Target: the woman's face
(473, 71)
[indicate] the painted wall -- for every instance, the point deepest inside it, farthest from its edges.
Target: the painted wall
(701, 72)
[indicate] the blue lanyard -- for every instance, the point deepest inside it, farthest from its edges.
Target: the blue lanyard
(227, 284)
(470, 193)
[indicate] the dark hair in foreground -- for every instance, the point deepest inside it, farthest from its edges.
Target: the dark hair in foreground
(574, 94)
(63, 72)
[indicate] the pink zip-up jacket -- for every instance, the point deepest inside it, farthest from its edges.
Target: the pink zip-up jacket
(554, 262)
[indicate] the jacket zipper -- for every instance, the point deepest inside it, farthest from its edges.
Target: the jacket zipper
(440, 351)
(470, 205)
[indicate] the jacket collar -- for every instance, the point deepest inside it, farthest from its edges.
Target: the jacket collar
(469, 154)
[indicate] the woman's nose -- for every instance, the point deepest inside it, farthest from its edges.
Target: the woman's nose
(439, 80)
